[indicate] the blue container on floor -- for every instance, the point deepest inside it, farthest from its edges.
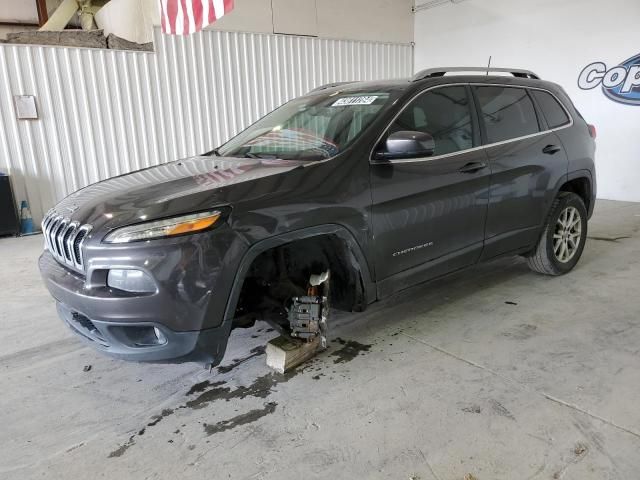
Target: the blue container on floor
(26, 220)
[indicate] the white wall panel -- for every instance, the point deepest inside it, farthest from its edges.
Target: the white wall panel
(104, 113)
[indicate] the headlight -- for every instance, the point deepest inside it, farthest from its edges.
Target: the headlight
(164, 228)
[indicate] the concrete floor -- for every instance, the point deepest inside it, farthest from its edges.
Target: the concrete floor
(495, 372)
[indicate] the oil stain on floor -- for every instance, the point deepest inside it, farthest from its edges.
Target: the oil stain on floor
(214, 391)
(254, 352)
(350, 350)
(242, 419)
(210, 392)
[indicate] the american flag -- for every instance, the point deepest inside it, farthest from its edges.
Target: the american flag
(183, 17)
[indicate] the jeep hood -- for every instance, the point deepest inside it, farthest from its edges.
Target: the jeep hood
(184, 186)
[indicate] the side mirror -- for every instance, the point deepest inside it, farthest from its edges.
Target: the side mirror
(407, 144)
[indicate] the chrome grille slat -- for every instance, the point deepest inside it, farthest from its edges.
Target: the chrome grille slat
(51, 233)
(45, 224)
(69, 237)
(62, 226)
(78, 241)
(64, 239)
(68, 232)
(54, 232)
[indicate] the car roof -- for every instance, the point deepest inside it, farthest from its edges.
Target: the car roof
(410, 85)
(363, 86)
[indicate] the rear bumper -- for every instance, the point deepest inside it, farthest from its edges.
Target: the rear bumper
(121, 325)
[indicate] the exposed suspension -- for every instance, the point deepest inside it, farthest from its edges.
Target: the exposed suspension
(308, 314)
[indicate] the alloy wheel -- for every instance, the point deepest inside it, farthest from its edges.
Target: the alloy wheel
(567, 235)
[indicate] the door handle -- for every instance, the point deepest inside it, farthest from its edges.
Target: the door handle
(473, 167)
(551, 149)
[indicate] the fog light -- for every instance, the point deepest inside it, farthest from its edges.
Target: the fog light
(135, 281)
(138, 335)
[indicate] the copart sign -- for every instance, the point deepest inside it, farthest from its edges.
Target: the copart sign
(620, 83)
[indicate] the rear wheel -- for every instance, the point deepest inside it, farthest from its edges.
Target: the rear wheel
(563, 238)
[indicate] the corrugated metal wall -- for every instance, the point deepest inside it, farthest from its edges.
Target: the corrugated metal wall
(104, 112)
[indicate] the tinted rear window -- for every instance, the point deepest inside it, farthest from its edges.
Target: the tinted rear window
(507, 112)
(551, 109)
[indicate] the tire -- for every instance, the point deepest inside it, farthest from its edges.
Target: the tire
(561, 244)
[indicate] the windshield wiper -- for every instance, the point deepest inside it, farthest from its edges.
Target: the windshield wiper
(263, 156)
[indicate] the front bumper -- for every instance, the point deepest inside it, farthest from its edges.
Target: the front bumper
(183, 308)
(121, 340)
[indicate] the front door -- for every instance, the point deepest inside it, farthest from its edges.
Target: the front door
(428, 214)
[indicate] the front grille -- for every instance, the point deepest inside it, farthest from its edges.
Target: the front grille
(64, 239)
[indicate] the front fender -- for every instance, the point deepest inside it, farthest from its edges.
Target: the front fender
(321, 230)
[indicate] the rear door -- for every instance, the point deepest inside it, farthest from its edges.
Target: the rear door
(429, 213)
(527, 162)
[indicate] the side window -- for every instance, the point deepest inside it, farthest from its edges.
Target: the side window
(507, 113)
(444, 114)
(551, 109)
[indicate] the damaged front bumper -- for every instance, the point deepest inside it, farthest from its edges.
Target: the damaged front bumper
(146, 341)
(176, 323)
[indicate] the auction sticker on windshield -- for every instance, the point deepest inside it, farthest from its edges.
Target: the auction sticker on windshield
(363, 100)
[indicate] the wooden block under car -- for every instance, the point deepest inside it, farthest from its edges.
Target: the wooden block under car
(284, 353)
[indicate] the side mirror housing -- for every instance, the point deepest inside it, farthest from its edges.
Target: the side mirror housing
(407, 144)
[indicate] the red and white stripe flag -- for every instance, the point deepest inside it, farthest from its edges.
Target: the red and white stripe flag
(183, 17)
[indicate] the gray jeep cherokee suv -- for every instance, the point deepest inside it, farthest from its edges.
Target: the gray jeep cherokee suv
(382, 184)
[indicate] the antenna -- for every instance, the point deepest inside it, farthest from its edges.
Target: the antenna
(489, 65)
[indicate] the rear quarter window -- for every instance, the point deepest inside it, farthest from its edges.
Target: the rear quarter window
(551, 109)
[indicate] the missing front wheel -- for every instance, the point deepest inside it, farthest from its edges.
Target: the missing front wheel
(308, 314)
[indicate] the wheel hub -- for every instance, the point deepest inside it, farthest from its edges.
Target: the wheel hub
(567, 235)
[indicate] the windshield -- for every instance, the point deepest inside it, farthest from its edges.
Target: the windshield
(308, 128)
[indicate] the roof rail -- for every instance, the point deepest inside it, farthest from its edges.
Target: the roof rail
(439, 72)
(329, 85)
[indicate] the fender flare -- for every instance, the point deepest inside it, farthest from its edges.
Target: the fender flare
(573, 175)
(580, 174)
(565, 179)
(256, 249)
(584, 173)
